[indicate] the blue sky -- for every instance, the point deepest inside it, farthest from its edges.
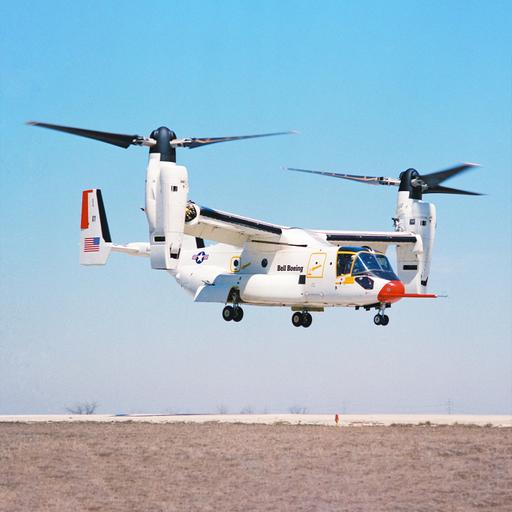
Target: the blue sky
(372, 87)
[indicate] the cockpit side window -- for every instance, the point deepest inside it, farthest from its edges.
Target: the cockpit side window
(343, 263)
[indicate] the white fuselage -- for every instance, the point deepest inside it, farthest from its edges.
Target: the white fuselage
(299, 272)
(267, 264)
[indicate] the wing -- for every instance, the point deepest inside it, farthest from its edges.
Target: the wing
(377, 240)
(228, 228)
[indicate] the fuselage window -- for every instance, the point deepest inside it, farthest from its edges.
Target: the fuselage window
(343, 264)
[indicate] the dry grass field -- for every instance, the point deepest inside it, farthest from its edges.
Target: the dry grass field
(233, 467)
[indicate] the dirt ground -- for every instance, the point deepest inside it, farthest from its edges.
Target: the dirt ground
(171, 467)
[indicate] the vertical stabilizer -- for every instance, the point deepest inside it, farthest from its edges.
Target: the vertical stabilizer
(95, 241)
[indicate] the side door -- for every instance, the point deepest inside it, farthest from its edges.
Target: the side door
(315, 289)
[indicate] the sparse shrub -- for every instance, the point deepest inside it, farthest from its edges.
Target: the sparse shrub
(83, 408)
(297, 409)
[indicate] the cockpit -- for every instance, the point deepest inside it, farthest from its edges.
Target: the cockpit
(362, 261)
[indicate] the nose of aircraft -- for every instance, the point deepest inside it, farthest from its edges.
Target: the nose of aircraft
(391, 292)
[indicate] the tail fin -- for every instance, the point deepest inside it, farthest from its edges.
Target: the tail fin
(95, 241)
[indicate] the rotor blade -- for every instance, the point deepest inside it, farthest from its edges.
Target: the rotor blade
(117, 139)
(194, 142)
(370, 180)
(435, 178)
(447, 190)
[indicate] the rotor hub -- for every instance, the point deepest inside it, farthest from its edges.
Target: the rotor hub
(410, 181)
(163, 137)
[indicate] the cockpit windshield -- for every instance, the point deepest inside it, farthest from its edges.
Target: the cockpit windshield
(374, 264)
(370, 261)
(367, 263)
(384, 262)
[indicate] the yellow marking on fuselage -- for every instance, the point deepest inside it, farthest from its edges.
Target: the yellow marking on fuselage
(320, 256)
(246, 265)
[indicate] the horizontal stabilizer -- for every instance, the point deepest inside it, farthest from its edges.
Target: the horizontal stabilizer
(133, 249)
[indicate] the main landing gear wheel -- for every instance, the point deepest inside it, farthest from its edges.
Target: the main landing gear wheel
(232, 313)
(238, 314)
(307, 319)
(297, 319)
(228, 313)
(379, 319)
(302, 319)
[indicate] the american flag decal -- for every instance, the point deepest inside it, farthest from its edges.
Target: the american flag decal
(92, 244)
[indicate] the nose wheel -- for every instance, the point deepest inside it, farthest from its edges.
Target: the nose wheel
(235, 313)
(303, 319)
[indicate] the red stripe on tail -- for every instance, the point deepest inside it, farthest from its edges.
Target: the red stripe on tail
(84, 223)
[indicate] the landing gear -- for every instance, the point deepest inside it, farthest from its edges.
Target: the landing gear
(381, 319)
(235, 313)
(303, 319)
(307, 319)
(297, 319)
(238, 314)
(228, 313)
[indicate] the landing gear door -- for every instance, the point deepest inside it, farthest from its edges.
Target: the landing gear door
(316, 265)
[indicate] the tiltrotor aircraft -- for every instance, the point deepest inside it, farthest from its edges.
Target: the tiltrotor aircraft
(263, 264)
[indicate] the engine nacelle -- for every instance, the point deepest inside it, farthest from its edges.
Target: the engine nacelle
(166, 200)
(413, 263)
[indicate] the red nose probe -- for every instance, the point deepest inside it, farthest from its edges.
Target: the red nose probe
(394, 291)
